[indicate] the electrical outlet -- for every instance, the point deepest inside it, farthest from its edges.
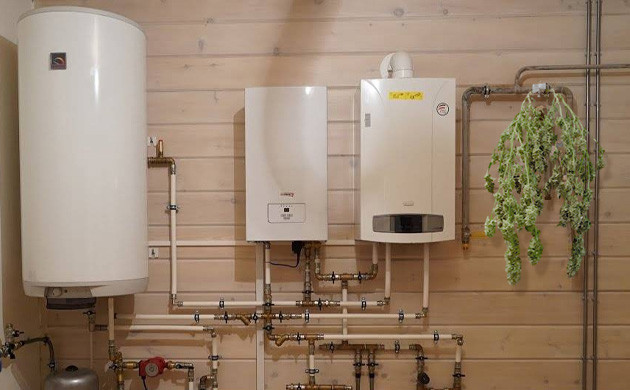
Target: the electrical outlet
(152, 141)
(154, 253)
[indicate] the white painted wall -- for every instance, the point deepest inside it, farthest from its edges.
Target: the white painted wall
(10, 11)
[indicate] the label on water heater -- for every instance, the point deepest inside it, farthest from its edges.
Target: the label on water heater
(286, 212)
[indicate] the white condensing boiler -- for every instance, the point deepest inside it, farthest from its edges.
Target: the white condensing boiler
(83, 154)
(406, 141)
(286, 164)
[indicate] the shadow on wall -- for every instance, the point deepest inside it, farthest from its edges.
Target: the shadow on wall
(25, 372)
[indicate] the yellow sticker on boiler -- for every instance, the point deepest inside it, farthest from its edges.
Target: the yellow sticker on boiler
(406, 95)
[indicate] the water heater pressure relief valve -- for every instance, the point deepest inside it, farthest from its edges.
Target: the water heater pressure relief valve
(151, 367)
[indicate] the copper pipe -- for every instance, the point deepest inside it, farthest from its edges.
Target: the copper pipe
(311, 356)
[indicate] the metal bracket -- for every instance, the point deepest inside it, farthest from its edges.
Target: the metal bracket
(196, 317)
(401, 316)
(436, 336)
(396, 347)
(307, 316)
(221, 303)
(363, 304)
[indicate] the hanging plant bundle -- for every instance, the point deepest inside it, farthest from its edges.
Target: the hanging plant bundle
(539, 141)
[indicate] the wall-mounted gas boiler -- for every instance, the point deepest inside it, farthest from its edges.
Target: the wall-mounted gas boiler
(405, 136)
(286, 164)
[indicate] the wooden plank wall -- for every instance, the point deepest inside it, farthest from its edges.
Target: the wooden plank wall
(202, 54)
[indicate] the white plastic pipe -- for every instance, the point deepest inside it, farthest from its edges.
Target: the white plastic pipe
(173, 233)
(164, 317)
(191, 317)
(344, 298)
(267, 264)
(374, 253)
(191, 385)
(425, 283)
(458, 353)
(110, 318)
(370, 316)
(173, 328)
(339, 337)
(216, 304)
(388, 270)
(215, 352)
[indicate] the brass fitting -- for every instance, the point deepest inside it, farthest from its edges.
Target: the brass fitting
(459, 338)
(160, 161)
(318, 303)
(280, 339)
(345, 346)
(466, 238)
(423, 314)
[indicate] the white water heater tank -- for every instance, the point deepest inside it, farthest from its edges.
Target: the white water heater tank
(83, 154)
(406, 175)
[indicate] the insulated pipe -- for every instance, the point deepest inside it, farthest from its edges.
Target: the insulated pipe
(173, 233)
(311, 362)
(215, 362)
(161, 328)
(289, 316)
(425, 284)
(244, 318)
(423, 336)
(221, 304)
(344, 298)
(160, 161)
(388, 269)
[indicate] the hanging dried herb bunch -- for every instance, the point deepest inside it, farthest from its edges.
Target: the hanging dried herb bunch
(543, 151)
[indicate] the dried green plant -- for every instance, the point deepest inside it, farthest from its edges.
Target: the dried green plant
(538, 141)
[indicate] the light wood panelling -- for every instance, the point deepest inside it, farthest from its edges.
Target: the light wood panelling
(201, 56)
(160, 11)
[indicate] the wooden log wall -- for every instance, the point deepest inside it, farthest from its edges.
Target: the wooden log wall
(201, 56)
